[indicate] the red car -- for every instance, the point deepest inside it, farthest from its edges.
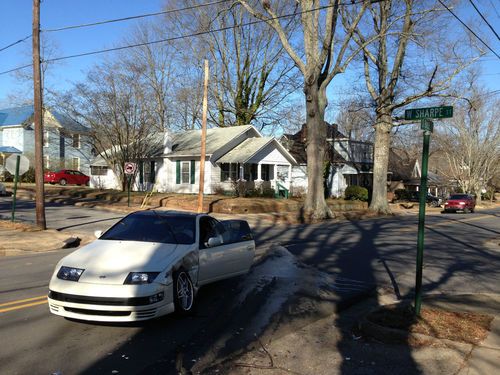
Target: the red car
(460, 202)
(66, 176)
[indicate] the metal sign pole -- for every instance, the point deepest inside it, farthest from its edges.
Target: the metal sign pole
(427, 127)
(129, 178)
(16, 178)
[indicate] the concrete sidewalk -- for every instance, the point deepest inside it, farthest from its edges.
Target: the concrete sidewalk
(331, 346)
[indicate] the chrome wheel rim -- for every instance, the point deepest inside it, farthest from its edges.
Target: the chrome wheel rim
(185, 293)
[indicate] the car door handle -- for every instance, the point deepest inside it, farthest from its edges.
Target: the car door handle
(249, 248)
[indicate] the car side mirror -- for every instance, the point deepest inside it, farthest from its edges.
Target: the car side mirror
(98, 233)
(214, 241)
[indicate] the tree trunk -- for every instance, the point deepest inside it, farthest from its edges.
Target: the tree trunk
(315, 207)
(383, 128)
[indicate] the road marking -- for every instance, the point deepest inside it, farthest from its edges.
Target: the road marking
(23, 306)
(21, 301)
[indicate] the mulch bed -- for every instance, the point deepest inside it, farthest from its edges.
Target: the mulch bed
(466, 327)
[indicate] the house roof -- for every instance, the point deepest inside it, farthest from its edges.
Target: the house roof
(250, 147)
(22, 115)
(15, 116)
(189, 143)
(9, 150)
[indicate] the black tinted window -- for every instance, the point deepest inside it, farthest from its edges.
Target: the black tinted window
(236, 231)
(458, 196)
(148, 227)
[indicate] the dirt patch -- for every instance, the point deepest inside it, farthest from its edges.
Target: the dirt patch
(23, 227)
(466, 327)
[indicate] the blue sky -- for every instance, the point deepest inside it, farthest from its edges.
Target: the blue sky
(16, 24)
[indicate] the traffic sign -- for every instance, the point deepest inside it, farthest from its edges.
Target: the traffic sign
(24, 164)
(429, 113)
(130, 168)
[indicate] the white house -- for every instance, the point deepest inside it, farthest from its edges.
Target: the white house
(232, 153)
(65, 140)
(351, 162)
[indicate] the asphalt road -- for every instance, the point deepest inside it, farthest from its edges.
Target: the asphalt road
(457, 260)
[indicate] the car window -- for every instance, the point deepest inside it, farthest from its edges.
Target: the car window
(153, 228)
(458, 196)
(209, 227)
(236, 231)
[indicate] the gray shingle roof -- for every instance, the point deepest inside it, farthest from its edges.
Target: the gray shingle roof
(189, 143)
(245, 150)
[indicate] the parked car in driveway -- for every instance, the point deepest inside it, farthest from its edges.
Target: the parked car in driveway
(149, 264)
(430, 199)
(460, 202)
(66, 177)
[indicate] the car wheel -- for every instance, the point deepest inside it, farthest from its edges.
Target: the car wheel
(62, 182)
(466, 210)
(434, 204)
(183, 293)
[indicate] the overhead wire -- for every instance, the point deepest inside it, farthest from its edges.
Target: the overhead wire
(484, 19)
(15, 43)
(468, 28)
(134, 17)
(183, 36)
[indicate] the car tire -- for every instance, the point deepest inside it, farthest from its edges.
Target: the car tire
(184, 293)
(63, 182)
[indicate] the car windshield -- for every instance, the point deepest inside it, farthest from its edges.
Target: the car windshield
(458, 196)
(151, 226)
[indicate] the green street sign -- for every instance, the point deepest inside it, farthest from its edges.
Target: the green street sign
(428, 113)
(427, 125)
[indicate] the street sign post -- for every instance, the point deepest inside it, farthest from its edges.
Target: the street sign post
(129, 168)
(424, 115)
(16, 165)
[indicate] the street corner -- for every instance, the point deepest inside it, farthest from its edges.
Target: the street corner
(20, 238)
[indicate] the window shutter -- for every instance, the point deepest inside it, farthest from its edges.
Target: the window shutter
(177, 171)
(153, 172)
(192, 171)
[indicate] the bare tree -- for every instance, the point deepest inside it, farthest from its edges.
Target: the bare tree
(321, 50)
(354, 120)
(114, 103)
(412, 59)
(250, 80)
(471, 143)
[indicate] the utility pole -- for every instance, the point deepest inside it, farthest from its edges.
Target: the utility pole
(203, 140)
(38, 119)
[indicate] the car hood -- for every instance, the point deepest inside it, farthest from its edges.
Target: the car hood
(110, 261)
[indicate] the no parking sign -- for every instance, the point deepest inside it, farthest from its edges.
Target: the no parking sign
(130, 168)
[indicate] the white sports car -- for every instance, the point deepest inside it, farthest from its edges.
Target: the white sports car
(149, 264)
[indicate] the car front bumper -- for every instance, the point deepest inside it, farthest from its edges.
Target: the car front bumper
(100, 303)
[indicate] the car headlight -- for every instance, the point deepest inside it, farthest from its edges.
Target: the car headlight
(141, 277)
(69, 273)
(461, 203)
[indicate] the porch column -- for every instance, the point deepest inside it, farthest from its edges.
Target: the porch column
(242, 172)
(289, 176)
(259, 172)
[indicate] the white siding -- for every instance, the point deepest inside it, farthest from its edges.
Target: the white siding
(13, 136)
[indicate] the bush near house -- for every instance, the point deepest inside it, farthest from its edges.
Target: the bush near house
(355, 192)
(402, 194)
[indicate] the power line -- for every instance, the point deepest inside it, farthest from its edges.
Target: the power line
(484, 19)
(14, 43)
(468, 28)
(134, 17)
(184, 36)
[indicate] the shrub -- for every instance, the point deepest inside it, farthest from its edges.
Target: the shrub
(355, 192)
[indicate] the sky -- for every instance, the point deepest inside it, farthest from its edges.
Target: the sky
(16, 24)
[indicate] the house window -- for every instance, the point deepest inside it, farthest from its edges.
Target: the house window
(185, 172)
(75, 163)
(76, 140)
(46, 162)
(46, 138)
(98, 171)
(228, 172)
